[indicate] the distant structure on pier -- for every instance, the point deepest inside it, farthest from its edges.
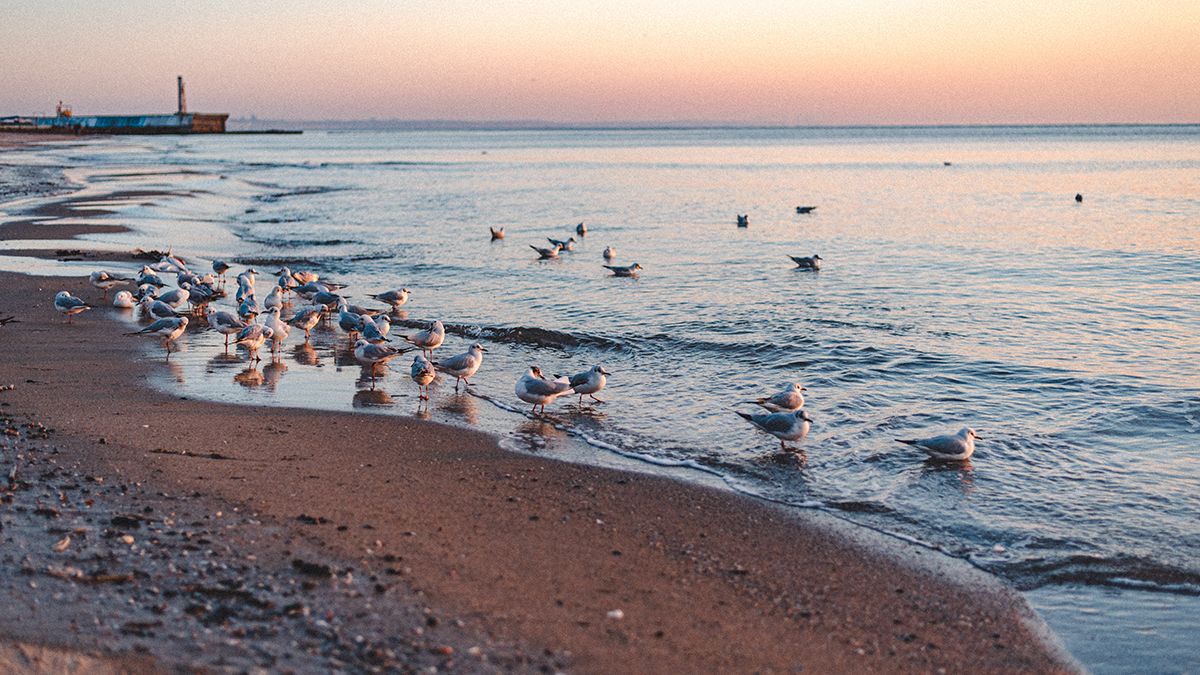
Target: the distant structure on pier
(65, 121)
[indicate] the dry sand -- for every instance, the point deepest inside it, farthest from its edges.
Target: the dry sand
(301, 539)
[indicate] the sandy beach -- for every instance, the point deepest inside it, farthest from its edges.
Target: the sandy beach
(156, 532)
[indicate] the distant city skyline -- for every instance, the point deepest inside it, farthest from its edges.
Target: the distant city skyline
(771, 62)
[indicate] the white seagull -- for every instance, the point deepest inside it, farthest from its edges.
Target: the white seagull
(123, 300)
(535, 389)
(948, 447)
(788, 399)
(462, 366)
(609, 253)
(372, 355)
(786, 426)
(422, 372)
(168, 329)
(225, 323)
(306, 318)
(395, 298)
(589, 382)
(252, 338)
(69, 305)
(429, 339)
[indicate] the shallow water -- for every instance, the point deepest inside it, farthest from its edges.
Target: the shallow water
(977, 293)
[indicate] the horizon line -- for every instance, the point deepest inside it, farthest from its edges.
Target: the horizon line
(550, 125)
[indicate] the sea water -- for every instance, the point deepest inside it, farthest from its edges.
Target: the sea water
(962, 285)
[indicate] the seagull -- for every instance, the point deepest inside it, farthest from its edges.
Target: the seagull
(68, 304)
(249, 308)
(157, 309)
(306, 318)
(568, 245)
(533, 388)
(624, 270)
(220, 267)
(123, 300)
(225, 323)
(395, 298)
(279, 328)
(581, 229)
(383, 323)
(546, 253)
(246, 278)
(351, 322)
(786, 426)
(175, 298)
(789, 399)
(148, 276)
(423, 373)
(305, 277)
(168, 329)
(463, 365)
(252, 337)
(812, 262)
(743, 221)
(146, 291)
(371, 333)
(428, 339)
(325, 298)
(286, 281)
(105, 281)
(589, 382)
(805, 209)
(274, 298)
(609, 253)
(373, 355)
(947, 448)
(497, 234)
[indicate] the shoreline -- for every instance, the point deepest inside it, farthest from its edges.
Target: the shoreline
(533, 552)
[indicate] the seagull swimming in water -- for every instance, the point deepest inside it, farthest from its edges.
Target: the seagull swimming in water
(69, 305)
(568, 245)
(546, 253)
(497, 234)
(609, 253)
(812, 262)
(581, 230)
(786, 426)
(462, 366)
(948, 447)
(535, 389)
(788, 399)
(624, 270)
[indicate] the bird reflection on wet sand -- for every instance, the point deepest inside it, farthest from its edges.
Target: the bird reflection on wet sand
(372, 398)
(306, 355)
(462, 405)
(249, 378)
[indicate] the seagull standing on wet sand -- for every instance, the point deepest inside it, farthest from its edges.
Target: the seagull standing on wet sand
(225, 323)
(105, 281)
(946, 448)
(373, 355)
(786, 426)
(69, 305)
(533, 388)
(422, 372)
(123, 300)
(462, 366)
(306, 318)
(168, 329)
(252, 338)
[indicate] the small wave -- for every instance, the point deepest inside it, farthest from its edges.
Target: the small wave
(304, 190)
(1120, 572)
(526, 335)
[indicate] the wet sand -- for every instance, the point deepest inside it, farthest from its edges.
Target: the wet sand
(544, 564)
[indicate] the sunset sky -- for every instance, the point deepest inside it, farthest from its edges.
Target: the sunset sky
(756, 62)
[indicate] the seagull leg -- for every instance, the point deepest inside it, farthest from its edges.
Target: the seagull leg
(596, 399)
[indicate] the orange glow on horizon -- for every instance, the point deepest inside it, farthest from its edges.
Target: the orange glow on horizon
(860, 62)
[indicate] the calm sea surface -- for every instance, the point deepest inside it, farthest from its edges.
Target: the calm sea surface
(971, 293)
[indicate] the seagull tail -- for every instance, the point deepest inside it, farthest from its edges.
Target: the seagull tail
(744, 416)
(906, 441)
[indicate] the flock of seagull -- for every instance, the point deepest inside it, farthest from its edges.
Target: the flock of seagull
(253, 326)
